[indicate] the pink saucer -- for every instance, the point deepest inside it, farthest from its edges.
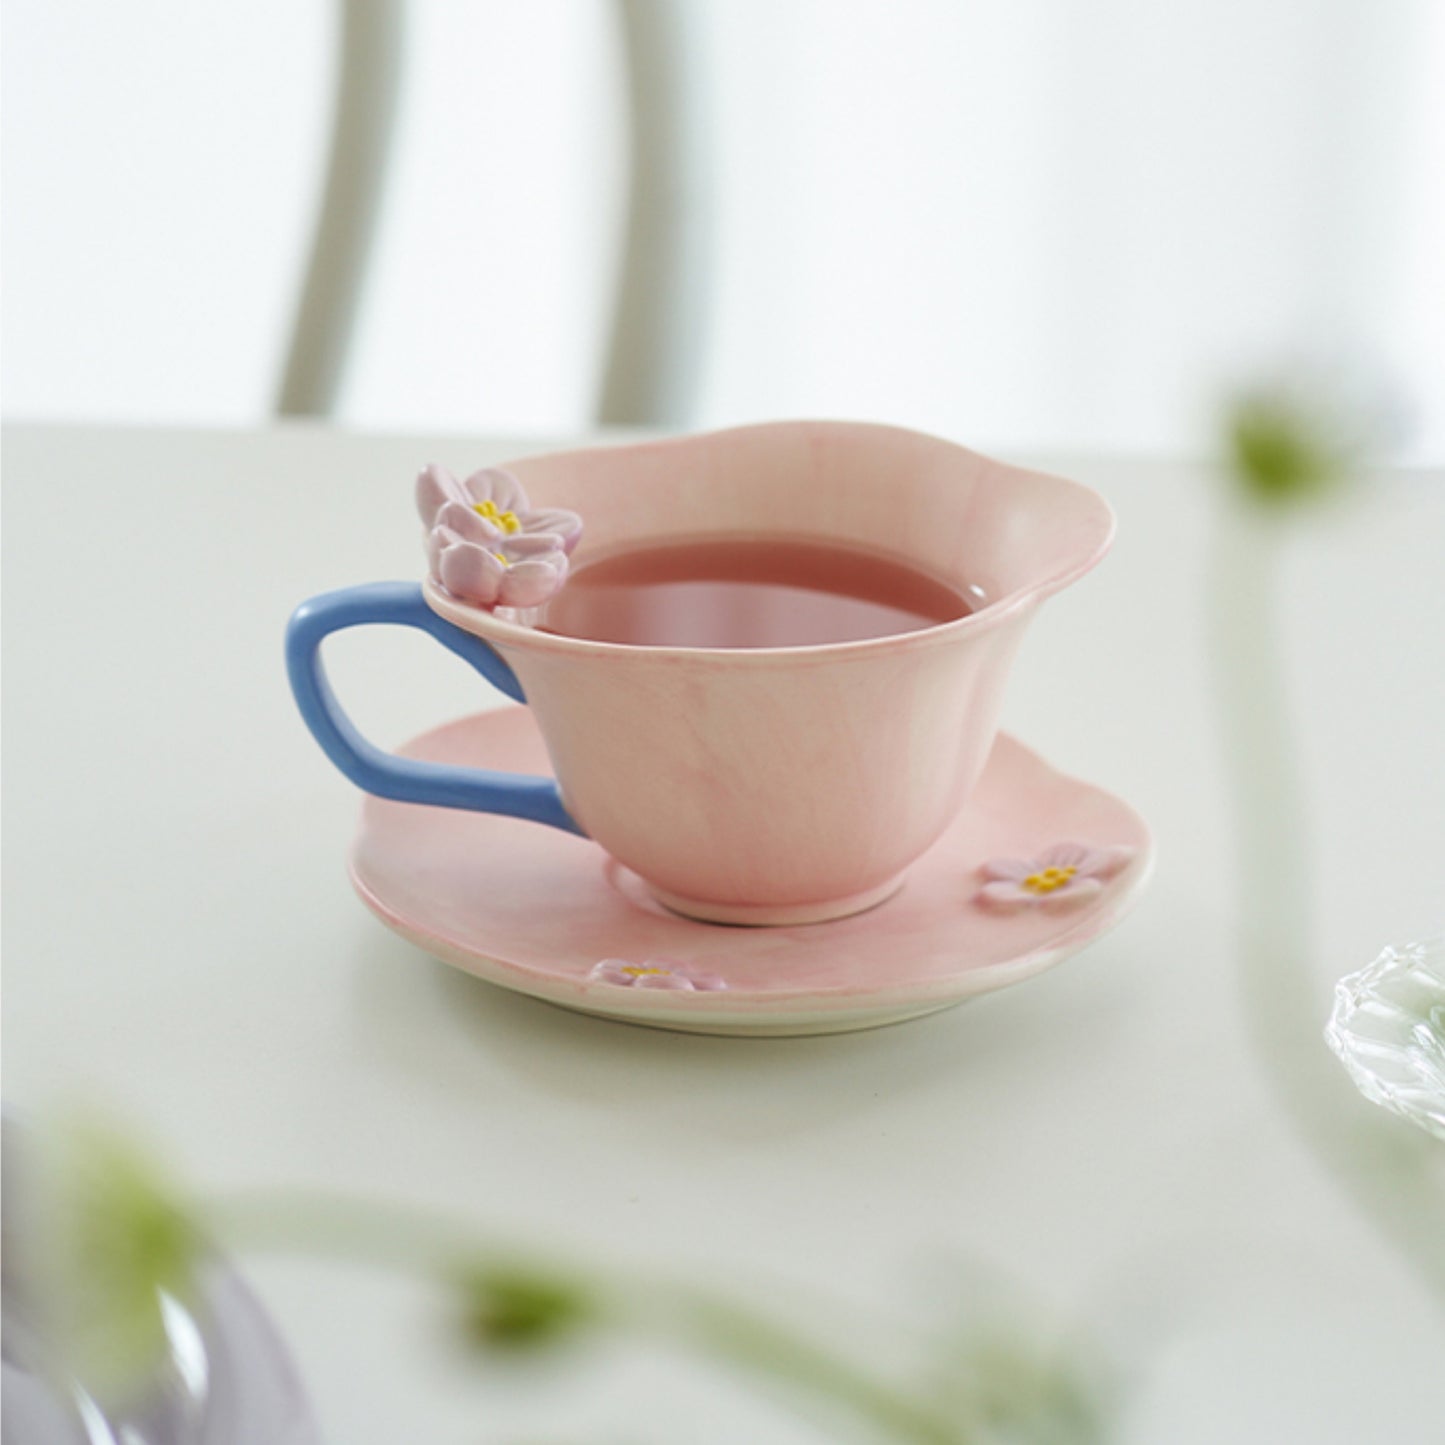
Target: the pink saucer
(547, 914)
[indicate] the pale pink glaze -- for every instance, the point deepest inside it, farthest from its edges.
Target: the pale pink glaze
(538, 911)
(785, 784)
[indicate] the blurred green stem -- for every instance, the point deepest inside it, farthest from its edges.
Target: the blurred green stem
(1384, 1165)
(419, 1243)
(399, 1237)
(723, 1330)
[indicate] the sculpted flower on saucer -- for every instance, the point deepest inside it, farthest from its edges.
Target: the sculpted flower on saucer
(486, 544)
(656, 974)
(1065, 876)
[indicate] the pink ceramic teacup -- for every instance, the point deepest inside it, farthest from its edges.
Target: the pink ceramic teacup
(751, 785)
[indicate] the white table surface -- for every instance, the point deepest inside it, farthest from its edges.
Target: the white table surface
(182, 946)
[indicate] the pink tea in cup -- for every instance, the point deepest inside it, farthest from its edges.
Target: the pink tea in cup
(742, 592)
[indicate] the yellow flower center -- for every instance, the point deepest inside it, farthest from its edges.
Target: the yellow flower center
(1047, 879)
(501, 558)
(636, 971)
(507, 521)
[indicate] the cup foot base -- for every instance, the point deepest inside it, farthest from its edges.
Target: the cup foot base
(764, 915)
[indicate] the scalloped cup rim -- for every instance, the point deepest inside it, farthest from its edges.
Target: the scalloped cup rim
(1089, 504)
(483, 621)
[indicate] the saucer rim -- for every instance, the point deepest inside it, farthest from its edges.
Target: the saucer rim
(908, 999)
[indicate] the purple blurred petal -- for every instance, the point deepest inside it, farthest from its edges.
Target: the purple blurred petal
(1104, 862)
(672, 981)
(706, 982)
(530, 583)
(1005, 897)
(435, 486)
(471, 573)
(611, 970)
(1014, 870)
(1073, 894)
(493, 484)
(471, 525)
(523, 545)
(556, 522)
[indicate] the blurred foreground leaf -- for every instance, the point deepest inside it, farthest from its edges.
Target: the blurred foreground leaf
(1279, 454)
(511, 1308)
(111, 1239)
(1303, 433)
(1008, 1390)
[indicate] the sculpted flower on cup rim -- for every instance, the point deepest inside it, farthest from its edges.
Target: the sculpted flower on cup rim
(485, 542)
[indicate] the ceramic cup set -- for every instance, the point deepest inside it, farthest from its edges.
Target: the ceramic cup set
(851, 801)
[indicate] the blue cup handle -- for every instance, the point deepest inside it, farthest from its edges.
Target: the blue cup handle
(407, 780)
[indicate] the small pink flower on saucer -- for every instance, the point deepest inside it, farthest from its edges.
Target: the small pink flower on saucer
(656, 974)
(1066, 876)
(486, 544)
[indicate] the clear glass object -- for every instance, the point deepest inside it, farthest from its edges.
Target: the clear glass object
(225, 1377)
(1388, 1029)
